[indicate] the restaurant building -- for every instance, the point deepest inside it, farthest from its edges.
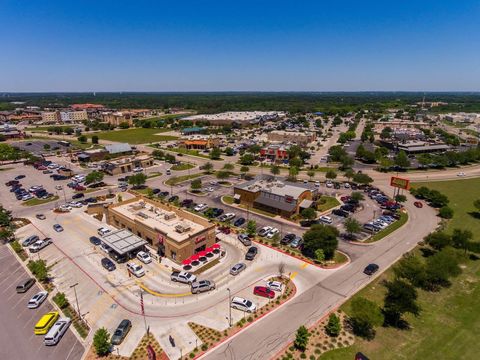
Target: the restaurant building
(175, 233)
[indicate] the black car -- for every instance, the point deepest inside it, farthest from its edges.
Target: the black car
(155, 191)
(251, 253)
(19, 177)
(91, 200)
(95, 240)
(216, 212)
(287, 239)
(108, 264)
(239, 222)
(173, 198)
(78, 196)
(371, 269)
(340, 212)
(348, 207)
(121, 332)
(187, 202)
(163, 193)
(11, 182)
(308, 223)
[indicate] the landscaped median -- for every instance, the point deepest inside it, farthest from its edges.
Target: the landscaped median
(390, 229)
(211, 338)
(35, 201)
(179, 179)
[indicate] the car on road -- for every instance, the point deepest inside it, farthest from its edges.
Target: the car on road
(371, 269)
(200, 207)
(237, 269)
(75, 204)
(243, 304)
(202, 286)
(244, 239)
(57, 227)
(95, 240)
(58, 187)
(209, 189)
(108, 264)
(251, 253)
(103, 231)
(264, 231)
(121, 332)
(418, 204)
(326, 219)
(37, 300)
(25, 285)
(57, 331)
(18, 177)
(461, 174)
(30, 240)
(275, 285)
(239, 222)
(264, 292)
(135, 269)
(144, 257)
(39, 245)
(272, 233)
(183, 277)
(40, 217)
(78, 196)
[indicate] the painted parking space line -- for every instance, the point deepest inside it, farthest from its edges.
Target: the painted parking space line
(292, 276)
(304, 265)
(154, 293)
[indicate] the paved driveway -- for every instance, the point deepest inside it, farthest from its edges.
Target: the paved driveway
(17, 340)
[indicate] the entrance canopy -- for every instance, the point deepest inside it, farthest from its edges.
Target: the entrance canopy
(123, 241)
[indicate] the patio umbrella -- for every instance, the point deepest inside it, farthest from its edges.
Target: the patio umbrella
(194, 257)
(216, 246)
(202, 253)
(187, 261)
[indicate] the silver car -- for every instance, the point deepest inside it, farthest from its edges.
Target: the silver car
(237, 269)
(202, 286)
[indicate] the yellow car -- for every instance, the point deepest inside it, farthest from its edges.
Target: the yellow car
(46, 322)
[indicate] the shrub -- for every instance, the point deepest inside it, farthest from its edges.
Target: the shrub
(301, 338)
(101, 342)
(16, 246)
(61, 300)
(333, 327)
(445, 212)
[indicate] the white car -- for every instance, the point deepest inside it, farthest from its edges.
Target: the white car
(326, 219)
(103, 231)
(39, 245)
(346, 185)
(265, 230)
(329, 184)
(75, 204)
(65, 207)
(58, 187)
(275, 285)
(135, 269)
(27, 197)
(213, 183)
(229, 216)
(461, 174)
(138, 170)
(200, 207)
(317, 183)
(37, 300)
(272, 233)
(105, 248)
(243, 304)
(210, 189)
(52, 166)
(35, 188)
(144, 257)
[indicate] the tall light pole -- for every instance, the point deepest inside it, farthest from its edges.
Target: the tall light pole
(229, 307)
(76, 299)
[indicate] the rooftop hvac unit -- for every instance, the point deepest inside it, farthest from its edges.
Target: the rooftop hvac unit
(182, 228)
(142, 215)
(169, 215)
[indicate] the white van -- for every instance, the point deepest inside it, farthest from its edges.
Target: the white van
(56, 332)
(103, 231)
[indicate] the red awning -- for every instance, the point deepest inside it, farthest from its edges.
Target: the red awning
(216, 246)
(186, 262)
(194, 257)
(202, 253)
(209, 250)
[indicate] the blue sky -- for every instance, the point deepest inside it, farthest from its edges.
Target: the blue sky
(243, 45)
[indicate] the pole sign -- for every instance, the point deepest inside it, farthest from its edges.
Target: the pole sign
(400, 183)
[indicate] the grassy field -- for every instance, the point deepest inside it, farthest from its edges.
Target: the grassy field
(327, 202)
(178, 179)
(448, 325)
(189, 152)
(182, 166)
(135, 136)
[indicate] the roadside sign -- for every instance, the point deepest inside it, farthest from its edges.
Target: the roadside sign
(400, 183)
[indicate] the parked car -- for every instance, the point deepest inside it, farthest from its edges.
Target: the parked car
(39, 245)
(95, 240)
(237, 269)
(244, 239)
(251, 253)
(226, 217)
(287, 239)
(202, 286)
(371, 269)
(144, 257)
(186, 202)
(58, 228)
(18, 177)
(172, 198)
(264, 231)
(25, 285)
(239, 222)
(37, 300)
(135, 269)
(183, 277)
(418, 204)
(30, 240)
(78, 196)
(340, 212)
(103, 231)
(57, 331)
(243, 304)
(200, 207)
(326, 219)
(121, 332)
(297, 242)
(264, 292)
(275, 285)
(216, 212)
(40, 217)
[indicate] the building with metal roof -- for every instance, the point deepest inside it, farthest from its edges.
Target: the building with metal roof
(118, 148)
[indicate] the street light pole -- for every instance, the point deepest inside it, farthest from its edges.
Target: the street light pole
(229, 307)
(76, 298)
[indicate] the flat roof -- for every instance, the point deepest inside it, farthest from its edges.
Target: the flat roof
(235, 115)
(166, 222)
(123, 241)
(277, 187)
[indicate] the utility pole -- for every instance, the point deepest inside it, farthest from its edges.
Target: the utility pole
(76, 299)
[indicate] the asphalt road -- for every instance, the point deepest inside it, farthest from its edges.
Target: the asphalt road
(17, 340)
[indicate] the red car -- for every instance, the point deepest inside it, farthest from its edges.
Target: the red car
(224, 229)
(263, 291)
(79, 188)
(345, 198)
(418, 204)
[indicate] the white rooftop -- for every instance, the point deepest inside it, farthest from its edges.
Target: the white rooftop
(235, 115)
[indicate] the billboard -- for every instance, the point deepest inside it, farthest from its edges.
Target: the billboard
(400, 182)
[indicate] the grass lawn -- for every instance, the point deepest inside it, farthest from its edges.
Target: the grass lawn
(448, 325)
(182, 166)
(387, 231)
(189, 152)
(135, 136)
(35, 201)
(154, 174)
(227, 199)
(178, 179)
(326, 203)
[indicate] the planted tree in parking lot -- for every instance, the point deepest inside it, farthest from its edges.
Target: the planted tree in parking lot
(39, 269)
(222, 174)
(251, 227)
(352, 226)
(357, 196)
(275, 169)
(331, 174)
(308, 213)
(196, 184)
(320, 237)
(366, 315)
(320, 255)
(94, 177)
(228, 166)
(101, 342)
(445, 212)
(208, 167)
(215, 153)
(292, 173)
(401, 160)
(61, 300)
(244, 169)
(301, 338)
(137, 180)
(361, 178)
(311, 174)
(82, 138)
(400, 198)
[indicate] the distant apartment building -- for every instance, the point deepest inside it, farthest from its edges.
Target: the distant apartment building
(299, 138)
(50, 116)
(77, 107)
(116, 118)
(73, 116)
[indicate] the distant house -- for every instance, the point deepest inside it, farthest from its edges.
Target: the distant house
(123, 148)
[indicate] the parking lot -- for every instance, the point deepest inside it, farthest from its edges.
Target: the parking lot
(18, 340)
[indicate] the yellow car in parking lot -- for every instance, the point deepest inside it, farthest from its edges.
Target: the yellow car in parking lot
(45, 323)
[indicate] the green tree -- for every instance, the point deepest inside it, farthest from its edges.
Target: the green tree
(251, 227)
(229, 151)
(401, 160)
(215, 153)
(275, 170)
(347, 162)
(476, 203)
(410, 268)
(244, 169)
(39, 269)
(94, 177)
(196, 184)
(292, 173)
(301, 338)
(349, 174)
(400, 198)
(357, 196)
(311, 174)
(333, 326)
(320, 237)
(208, 167)
(123, 125)
(401, 298)
(61, 300)
(461, 239)
(331, 174)
(438, 240)
(228, 166)
(82, 138)
(440, 267)
(46, 147)
(320, 255)
(352, 226)
(222, 174)
(101, 342)
(445, 212)
(308, 213)
(361, 178)
(365, 316)
(295, 162)
(94, 139)
(247, 159)
(137, 180)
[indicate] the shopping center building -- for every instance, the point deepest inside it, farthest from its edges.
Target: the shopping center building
(175, 233)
